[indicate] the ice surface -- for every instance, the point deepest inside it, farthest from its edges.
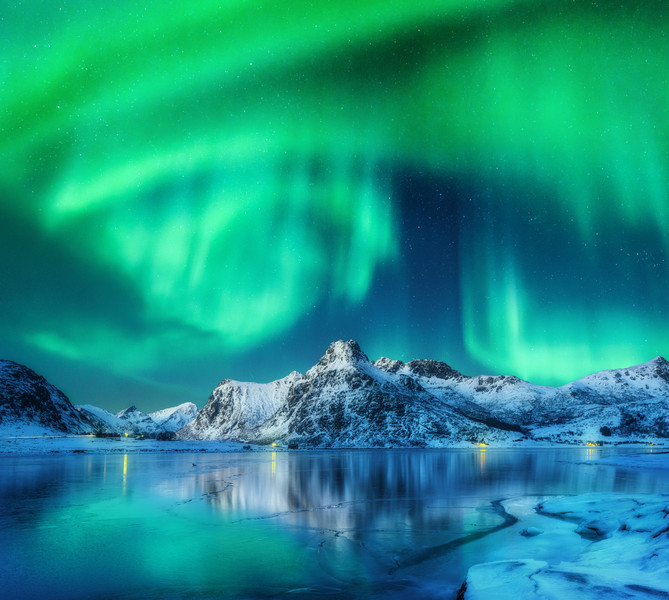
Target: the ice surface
(627, 555)
(653, 460)
(125, 521)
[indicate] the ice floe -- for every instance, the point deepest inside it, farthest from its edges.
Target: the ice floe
(627, 554)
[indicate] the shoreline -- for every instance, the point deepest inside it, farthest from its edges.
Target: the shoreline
(87, 444)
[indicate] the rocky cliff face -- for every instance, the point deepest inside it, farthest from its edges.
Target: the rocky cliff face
(344, 400)
(347, 401)
(30, 405)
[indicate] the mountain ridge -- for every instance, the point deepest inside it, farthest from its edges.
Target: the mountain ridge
(30, 405)
(347, 400)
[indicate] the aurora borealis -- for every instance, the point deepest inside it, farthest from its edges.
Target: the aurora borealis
(193, 192)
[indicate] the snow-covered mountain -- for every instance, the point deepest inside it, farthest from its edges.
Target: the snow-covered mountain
(618, 403)
(133, 420)
(30, 405)
(235, 409)
(138, 422)
(101, 419)
(173, 419)
(346, 400)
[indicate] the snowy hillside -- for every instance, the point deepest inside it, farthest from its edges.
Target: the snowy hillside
(132, 420)
(347, 401)
(30, 405)
(101, 420)
(235, 408)
(139, 422)
(173, 419)
(343, 401)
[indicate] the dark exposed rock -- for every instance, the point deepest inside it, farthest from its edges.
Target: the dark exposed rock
(28, 398)
(433, 368)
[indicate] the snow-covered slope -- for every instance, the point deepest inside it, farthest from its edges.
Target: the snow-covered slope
(618, 404)
(343, 401)
(30, 405)
(173, 419)
(139, 422)
(346, 400)
(235, 408)
(101, 420)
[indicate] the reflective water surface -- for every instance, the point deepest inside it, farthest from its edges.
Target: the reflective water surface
(340, 524)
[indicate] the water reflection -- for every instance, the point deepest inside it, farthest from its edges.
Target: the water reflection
(377, 481)
(125, 472)
(393, 511)
(363, 524)
(482, 459)
(592, 453)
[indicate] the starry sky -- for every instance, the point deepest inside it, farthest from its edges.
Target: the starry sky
(191, 191)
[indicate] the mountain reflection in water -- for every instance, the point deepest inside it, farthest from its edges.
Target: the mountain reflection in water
(340, 524)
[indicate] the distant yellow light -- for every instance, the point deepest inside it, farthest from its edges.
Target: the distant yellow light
(482, 444)
(273, 444)
(127, 434)
(590, 444)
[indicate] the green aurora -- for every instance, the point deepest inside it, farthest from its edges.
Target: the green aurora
(219, 189)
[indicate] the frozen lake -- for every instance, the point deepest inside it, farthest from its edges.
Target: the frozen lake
(329, 524)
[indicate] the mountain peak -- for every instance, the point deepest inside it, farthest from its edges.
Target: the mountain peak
(343, 352)
(660, 361)
(175, 417)
(389, 365)
(128, 411)
(433, 368)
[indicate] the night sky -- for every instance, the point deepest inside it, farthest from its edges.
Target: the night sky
(191, 191)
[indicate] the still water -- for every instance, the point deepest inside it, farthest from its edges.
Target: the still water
(341, 524)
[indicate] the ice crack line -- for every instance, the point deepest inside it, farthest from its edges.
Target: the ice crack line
(420, 556)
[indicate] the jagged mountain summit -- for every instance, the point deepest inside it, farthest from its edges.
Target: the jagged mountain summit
(345, 400)
(138, 421)
(30, 405)
(174, 418)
